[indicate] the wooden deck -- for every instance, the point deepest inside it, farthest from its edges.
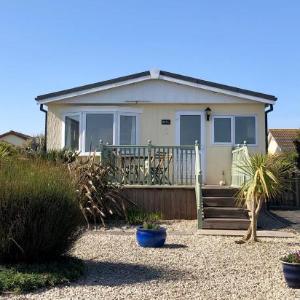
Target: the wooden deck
(173, 202)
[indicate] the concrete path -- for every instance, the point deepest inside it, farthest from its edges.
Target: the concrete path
(260, 233)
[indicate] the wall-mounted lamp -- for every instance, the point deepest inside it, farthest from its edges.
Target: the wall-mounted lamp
(207, 113)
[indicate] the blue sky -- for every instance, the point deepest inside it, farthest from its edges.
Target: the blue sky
(52, 45)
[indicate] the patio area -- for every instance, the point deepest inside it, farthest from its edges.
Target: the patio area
(190, 266)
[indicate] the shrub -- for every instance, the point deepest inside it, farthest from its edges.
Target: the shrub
(39, 214)
(137, 217)
(150, 226)
(28, 277)
(293, 257)
(7, 150)
(297, 146)
(100, 197)
(57, 156)
(35, 143)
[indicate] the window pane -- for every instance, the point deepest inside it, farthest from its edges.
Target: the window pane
(98, 127)
(189, 129)
(222, 130)
(245, 130)
(72, 132)
(127, 130)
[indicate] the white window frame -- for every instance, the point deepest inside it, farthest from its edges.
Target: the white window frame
(137, 127)
(95, 113)
(63, 136)
(116, 112)
(233, 130)
(255, 129)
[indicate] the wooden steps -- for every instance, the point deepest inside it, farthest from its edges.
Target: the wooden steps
(225, 212)
(219, 201)
(221, 210)
(225, 223)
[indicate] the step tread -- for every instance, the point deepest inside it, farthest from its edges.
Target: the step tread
(218, 197)
(224, 208)
(219, 202)
(225, 223)
(219, 192)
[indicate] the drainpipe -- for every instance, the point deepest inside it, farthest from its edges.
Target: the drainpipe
(266, 124)
(46, 118)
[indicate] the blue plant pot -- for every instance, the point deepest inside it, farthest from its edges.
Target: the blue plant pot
(151, 238)
(291, 274)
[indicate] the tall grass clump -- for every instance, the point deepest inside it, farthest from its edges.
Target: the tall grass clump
(39, 214)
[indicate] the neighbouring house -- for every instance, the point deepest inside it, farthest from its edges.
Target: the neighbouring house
(173, 112)
(282, 140)
(14, 138)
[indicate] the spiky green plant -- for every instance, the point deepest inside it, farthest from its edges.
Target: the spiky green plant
(7, 150)
(266, 179)
(99, 195)
(3, 151)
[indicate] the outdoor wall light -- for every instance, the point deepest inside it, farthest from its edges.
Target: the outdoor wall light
(207, 113)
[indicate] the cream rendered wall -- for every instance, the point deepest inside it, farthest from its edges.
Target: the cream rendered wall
(54, 126)
(217, 157)
(13, 139)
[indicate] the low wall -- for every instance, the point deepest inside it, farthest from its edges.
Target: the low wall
(171, 202)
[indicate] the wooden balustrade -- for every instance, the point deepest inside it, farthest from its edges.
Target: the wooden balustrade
(151, 164)
(239, 156)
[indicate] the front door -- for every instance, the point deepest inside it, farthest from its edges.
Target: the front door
(189, 128)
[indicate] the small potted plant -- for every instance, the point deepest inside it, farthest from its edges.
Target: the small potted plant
(151, 235)
(291, 269)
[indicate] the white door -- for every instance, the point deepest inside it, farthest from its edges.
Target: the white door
(190, 128)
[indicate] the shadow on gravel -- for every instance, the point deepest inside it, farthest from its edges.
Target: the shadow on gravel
(174, 246)
(271, 221)
(117, 274)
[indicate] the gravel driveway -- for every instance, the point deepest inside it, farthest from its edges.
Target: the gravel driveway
(190, 266)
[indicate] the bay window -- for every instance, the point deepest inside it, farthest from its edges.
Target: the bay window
(84, 130)
(98, 127)
(127, 130)
(72, 132)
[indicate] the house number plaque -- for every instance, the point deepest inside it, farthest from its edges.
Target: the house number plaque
(166, 122)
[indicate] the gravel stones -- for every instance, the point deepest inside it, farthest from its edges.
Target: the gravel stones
(190, 266)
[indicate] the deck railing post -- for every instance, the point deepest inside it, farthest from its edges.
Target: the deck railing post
(198, 182)
(149, 179)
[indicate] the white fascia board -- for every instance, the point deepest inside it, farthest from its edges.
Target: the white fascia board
(93, 90)
(217, 90)
(166, 78)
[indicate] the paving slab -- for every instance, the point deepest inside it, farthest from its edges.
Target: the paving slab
(260, 233)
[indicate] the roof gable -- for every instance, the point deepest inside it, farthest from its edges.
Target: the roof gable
(152, 92)
(15, 133)
(154, 75)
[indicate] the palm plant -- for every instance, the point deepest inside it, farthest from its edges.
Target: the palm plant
(266, 178)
